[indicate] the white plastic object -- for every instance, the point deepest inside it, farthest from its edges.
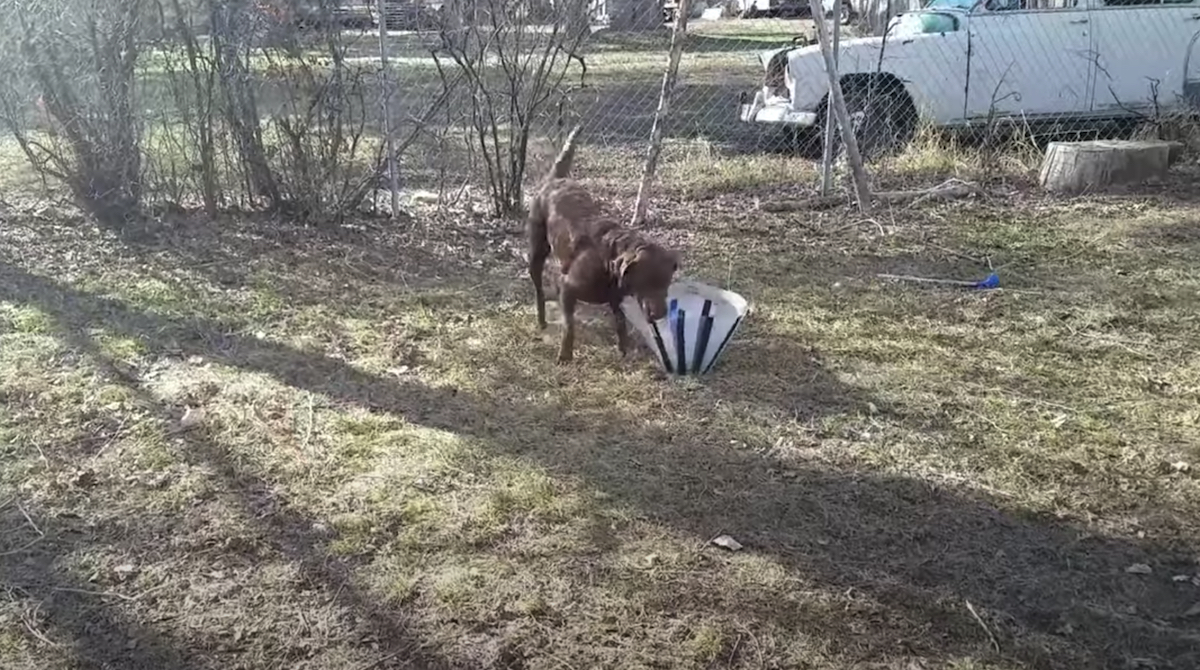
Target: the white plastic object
(700, 323)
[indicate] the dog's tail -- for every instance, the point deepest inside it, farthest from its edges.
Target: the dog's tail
(562, 164)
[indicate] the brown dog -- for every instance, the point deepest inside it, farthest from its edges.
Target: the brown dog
(602, 261)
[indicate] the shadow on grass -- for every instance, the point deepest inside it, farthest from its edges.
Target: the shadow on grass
(312, 266)
(98, 629)
(912, 554)
(91, 627)
(1180, 238)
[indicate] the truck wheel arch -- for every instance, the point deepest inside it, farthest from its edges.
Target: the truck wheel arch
(1191, 72)
(892, 89)
(885, 83)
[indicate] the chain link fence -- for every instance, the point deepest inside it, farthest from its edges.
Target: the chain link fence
(284, 105)
(979, 73)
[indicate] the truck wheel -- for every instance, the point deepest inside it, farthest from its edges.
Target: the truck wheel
(882, 115)
(807, 143)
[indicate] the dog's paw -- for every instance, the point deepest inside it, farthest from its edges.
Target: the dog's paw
(563, 359)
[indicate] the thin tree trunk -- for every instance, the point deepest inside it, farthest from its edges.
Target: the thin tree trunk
(830, 119)
(230, 50)
(670, 77)
(385, 86)
(861, 188)
(203, 86)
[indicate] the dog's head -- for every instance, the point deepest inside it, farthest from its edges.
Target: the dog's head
(646, 271)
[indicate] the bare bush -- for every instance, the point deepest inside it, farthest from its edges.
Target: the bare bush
(514, 71)
(315, 151)
(77, 59)
(211, 103)
(233, 24)
(187, 119)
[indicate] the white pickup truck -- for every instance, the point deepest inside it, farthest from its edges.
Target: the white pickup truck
(968, 62)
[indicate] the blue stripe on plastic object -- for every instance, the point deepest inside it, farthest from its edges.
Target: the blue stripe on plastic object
(706, 324)
(680, 342)
(662, 348)
(725, 341)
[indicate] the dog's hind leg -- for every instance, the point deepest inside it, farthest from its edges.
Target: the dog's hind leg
(539, 251)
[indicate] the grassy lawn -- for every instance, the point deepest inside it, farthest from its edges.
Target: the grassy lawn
(241, 445)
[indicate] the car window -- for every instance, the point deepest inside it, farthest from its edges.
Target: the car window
(1033, 5)
(908, 24)
(1127, 3)
(951, 4)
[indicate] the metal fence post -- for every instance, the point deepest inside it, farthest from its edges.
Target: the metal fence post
(830, 119)
(385, 82)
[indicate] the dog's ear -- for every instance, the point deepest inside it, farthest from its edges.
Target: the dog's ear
(623, 264)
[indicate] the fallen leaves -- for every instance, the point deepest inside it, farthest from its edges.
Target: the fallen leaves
(726, 542)
(193, 417)
(1139, 569)
(84, 479)
(125, 570)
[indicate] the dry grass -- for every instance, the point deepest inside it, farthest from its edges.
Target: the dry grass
(381, 466)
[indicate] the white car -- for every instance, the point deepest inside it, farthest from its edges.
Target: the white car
(967, 62)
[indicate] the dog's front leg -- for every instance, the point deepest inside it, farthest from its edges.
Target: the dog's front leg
(621, 324)
(567, 302)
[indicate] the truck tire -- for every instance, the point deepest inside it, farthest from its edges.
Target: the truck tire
(881, 112)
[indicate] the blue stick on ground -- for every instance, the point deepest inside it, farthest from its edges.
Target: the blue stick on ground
(989, 282)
